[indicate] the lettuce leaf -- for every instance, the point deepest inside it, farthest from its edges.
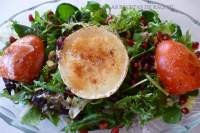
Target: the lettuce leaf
(32, 116)
(128, 19)
(65, 10)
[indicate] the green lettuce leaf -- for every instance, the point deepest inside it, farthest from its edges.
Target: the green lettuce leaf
(172, 114)
(128, 19)
(151, 16)
(54, 118)
(32, 116)
(65, 10)
(22, 30)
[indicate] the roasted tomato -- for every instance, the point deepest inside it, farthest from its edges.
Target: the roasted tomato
(177, 67)
(23, 59)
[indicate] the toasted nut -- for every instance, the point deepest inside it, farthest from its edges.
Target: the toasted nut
(52, 65)
(69, 100)
(52, 55)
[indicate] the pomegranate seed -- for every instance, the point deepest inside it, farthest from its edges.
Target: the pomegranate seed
(68, 93)
(195, 45)
(133, 82)
(130, 42)
(144, 45)
(120, 126)
(146, 66)
(135, 75)
(135, 65)
(50, 13)
(59, 43)
(142, 18)
(159, 36)
(185, 110)
(198, 54)
(12, 39)
(83, 131)
(143, 21)
(183, 100)
(115, 130)
(103, 125)
(30, 18)
(165, 37)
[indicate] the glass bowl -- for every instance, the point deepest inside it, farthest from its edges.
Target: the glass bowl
(10, 112)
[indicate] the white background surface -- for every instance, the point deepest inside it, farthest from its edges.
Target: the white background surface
(9, 7)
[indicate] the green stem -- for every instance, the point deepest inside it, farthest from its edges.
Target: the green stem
(26, 88)
(49, 28)
(140, 54)
(156, 84)
(137, 84)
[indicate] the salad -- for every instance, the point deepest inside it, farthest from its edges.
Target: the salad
(100, 71)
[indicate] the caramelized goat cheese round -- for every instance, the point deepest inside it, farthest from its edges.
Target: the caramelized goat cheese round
(93, 62)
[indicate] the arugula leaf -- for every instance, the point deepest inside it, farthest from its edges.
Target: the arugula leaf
(32, 116)
(55, 84)
(65, 10)
(172, 114)
(22, 30)
(50, 86)
(57, 77)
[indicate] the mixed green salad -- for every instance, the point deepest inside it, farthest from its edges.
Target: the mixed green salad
(140, 96)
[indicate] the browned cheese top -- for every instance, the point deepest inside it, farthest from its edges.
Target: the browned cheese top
(93, 62)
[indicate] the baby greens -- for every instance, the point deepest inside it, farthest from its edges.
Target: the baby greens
(141, 93)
